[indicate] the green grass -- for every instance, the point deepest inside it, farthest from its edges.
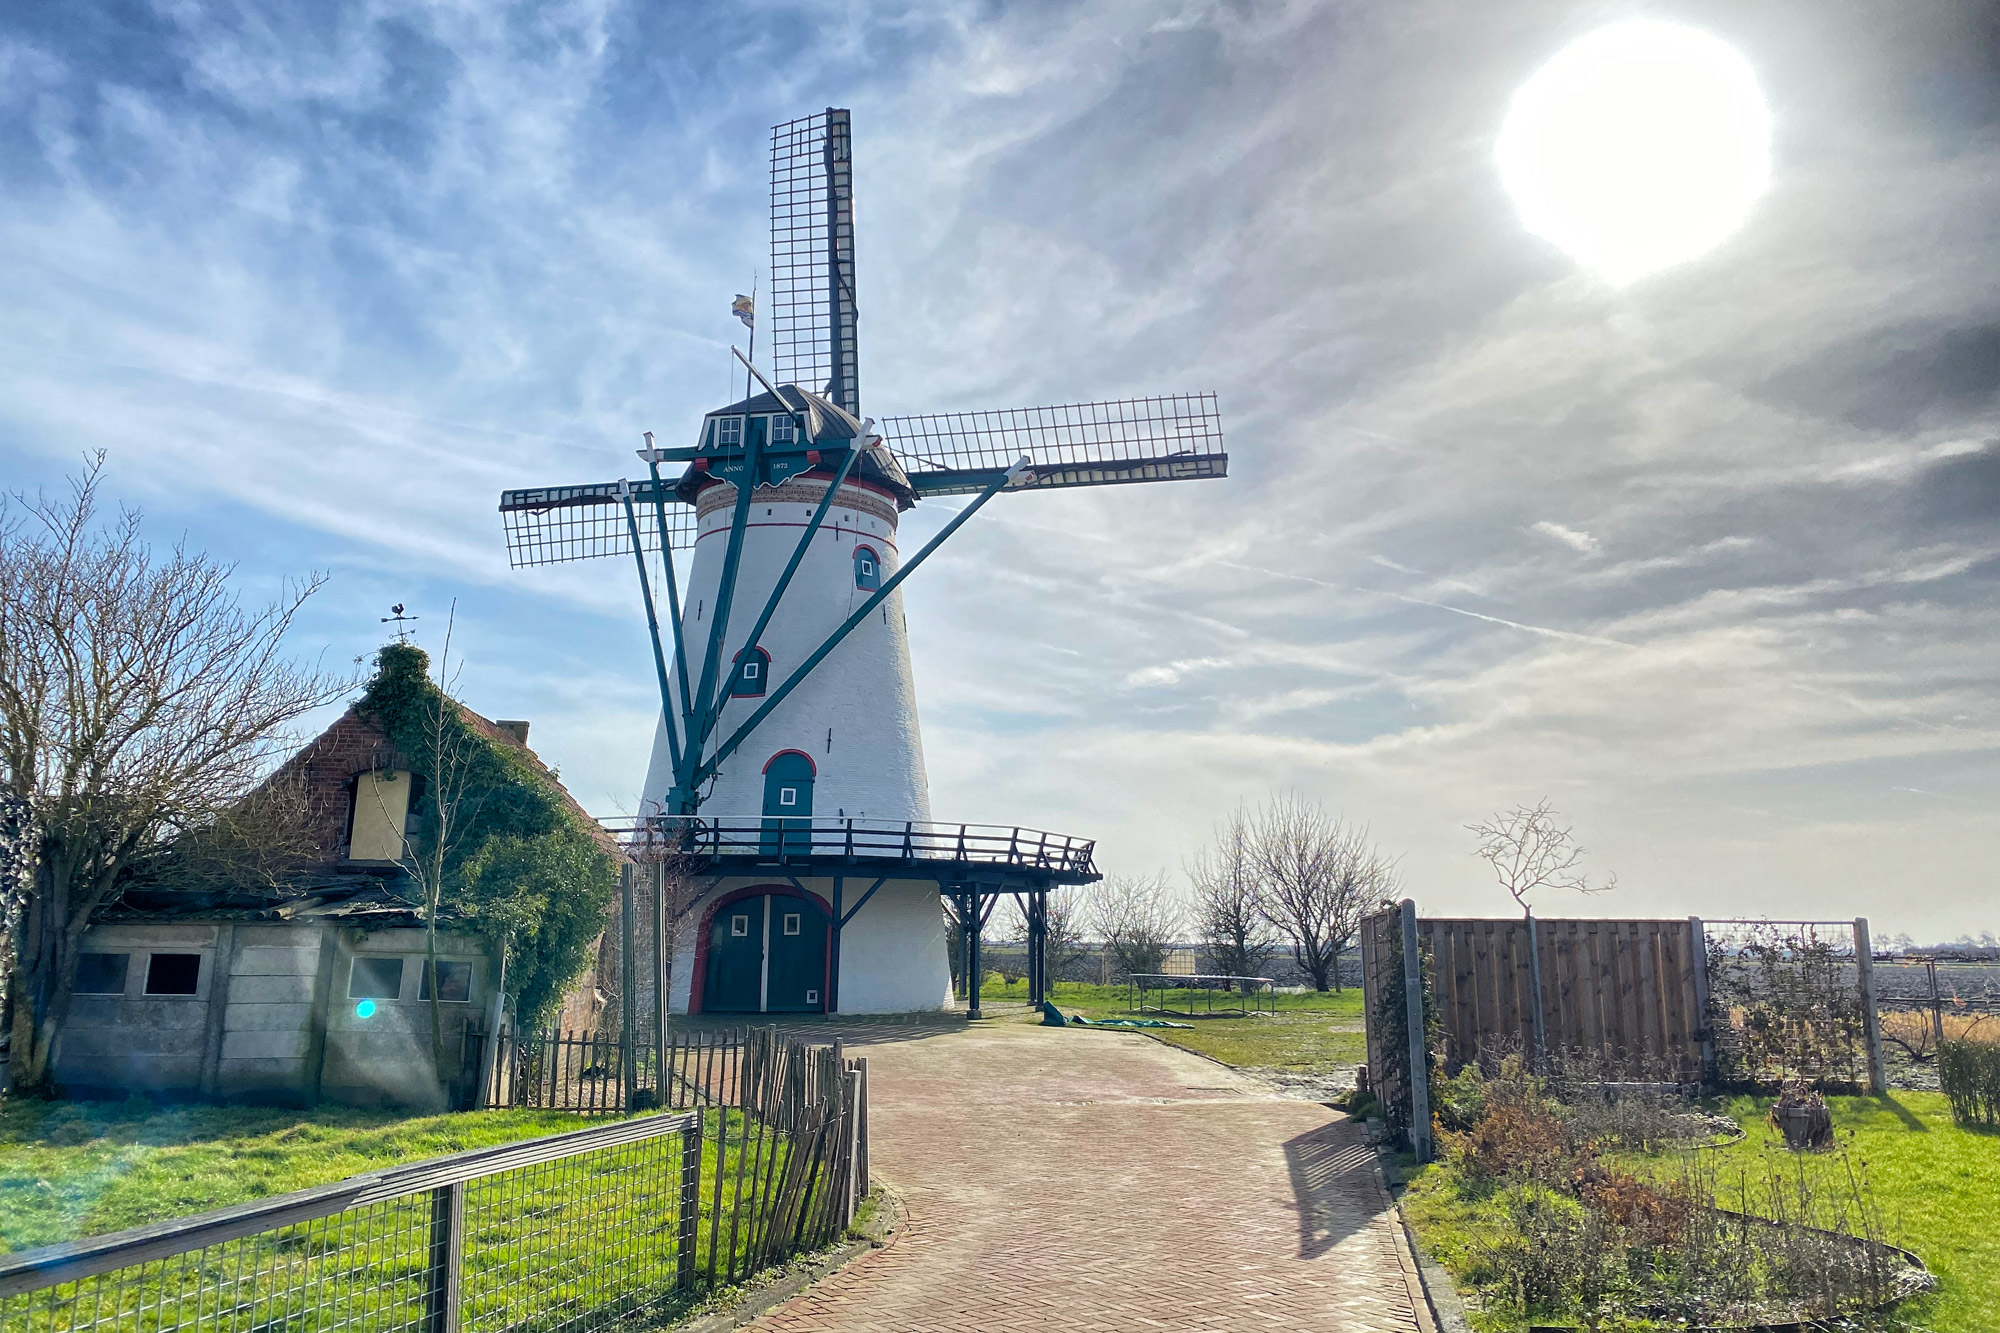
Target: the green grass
(1309, 1033)
(70, 1169)
(1937, 1185)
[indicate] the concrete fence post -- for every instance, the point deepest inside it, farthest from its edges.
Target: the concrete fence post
(1535, 991)
(1703, 1022)
(1871, 1024)
(1413, 1009)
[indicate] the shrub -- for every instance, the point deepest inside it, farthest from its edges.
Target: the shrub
(1459, 1101)
(1518, 1136)
(1969, 1073)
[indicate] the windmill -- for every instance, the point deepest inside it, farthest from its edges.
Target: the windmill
(787, 758)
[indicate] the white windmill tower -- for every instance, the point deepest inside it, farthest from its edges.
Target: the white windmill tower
(788, 760)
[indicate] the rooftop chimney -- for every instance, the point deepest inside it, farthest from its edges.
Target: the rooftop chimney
(518, 730)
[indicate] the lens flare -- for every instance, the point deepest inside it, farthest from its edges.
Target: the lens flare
(366, 1009)
(1637, 147)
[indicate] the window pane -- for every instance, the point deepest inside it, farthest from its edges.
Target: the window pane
(791, 923)
(173, 974)
(375, 979)
(454, 982)
(101, 973)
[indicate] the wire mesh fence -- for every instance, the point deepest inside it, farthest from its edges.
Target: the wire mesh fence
(571, 1232)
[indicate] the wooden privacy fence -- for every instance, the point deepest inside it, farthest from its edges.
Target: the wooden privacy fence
(1630, 996)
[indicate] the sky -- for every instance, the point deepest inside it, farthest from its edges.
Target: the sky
(1707, 559)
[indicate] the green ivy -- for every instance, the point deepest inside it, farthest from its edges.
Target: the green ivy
(524, 868)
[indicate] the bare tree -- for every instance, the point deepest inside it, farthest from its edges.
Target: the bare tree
(138, 699)
(1226, 915)
(680, 884)
(1062, 931)
(1137, 917)
(1317, 877)
(1530, 849)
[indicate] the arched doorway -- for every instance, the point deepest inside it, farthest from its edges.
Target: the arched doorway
(767, 953)
(788, 805)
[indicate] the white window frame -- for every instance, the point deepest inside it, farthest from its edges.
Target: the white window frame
(728, 432)
(783, 429)
(750, 666)
(793, 925)
(739, 926)
(788, 796)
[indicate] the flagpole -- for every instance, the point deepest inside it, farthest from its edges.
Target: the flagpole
(753, 334)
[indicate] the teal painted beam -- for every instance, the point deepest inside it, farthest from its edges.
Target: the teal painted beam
(653, 628)
(791, 567)
(708, 768)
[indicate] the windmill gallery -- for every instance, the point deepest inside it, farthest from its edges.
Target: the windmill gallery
(788, 767)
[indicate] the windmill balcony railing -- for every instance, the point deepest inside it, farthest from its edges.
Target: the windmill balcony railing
(856, 841)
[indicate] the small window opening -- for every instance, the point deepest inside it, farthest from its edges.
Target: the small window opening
(739, 926)
(791, 923)
(376, 979)
(454, 982)
(173, 974)
(729, 431)
(782, 430)
(749, 677)
(788, 796)
(101, 973)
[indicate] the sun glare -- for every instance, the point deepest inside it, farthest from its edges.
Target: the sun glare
(1641, 145)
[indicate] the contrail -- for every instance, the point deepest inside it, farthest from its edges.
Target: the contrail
(1543, 630)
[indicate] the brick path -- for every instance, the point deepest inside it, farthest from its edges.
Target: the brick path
(1064, 1180)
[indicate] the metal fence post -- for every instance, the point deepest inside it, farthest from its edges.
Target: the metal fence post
(1871, 1024)
(660, 998)
(1413, 1010)
(690, 1215)
(1703, 1027)
(442, 1290)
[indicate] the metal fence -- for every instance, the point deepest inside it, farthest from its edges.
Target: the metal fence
(1194, 994)
(570, 1232)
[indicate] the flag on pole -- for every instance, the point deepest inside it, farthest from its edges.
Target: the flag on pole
(745, 309)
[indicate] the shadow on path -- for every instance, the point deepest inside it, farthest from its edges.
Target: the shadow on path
(1333, 1180)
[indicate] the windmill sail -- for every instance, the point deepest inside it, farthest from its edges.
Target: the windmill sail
(1177, 437)
(812, 257)
(551, 525)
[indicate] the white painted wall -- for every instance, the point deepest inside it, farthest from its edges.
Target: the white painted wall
(856, 714)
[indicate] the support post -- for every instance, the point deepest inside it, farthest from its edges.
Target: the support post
(219, 971)
(1937, 1002)
(628, 1077)
(690, 1214)
(1413, 1012)
(660, 1004)
(1534, 989)
(833, 948)
(1703, 1027)
(974, 964)
(442, 1290)
(489, 1054)
(853, 1146)
(861, 1128)
(1871, 1024)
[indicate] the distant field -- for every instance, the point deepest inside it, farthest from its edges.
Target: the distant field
(1309, 1033)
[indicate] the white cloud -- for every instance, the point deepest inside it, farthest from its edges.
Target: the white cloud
(1573, 538)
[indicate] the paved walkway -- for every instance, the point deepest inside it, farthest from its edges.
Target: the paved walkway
(1065, 1180)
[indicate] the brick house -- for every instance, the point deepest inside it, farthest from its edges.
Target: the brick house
(315, 992)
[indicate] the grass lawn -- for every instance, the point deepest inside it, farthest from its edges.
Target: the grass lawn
(1937, 1185)
(70, 1169)
(1309, 1033)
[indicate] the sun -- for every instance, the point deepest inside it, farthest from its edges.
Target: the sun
(1637, 147)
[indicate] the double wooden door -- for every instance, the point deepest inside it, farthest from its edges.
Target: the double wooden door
(766, 954)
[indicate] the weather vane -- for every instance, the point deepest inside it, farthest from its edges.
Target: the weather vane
(400, 621)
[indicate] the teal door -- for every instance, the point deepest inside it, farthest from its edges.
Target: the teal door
(766, 954)
(735, 975)
(788, 805)
(798, 957)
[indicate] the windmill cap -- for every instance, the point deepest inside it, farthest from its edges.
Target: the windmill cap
(825, 420)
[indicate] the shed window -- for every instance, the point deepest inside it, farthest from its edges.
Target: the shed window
(729, 431)
(376, 979)
(753, 670)
(173, 974)
(782, 429)
(867, 568)
(454, 982)
(101, 973)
